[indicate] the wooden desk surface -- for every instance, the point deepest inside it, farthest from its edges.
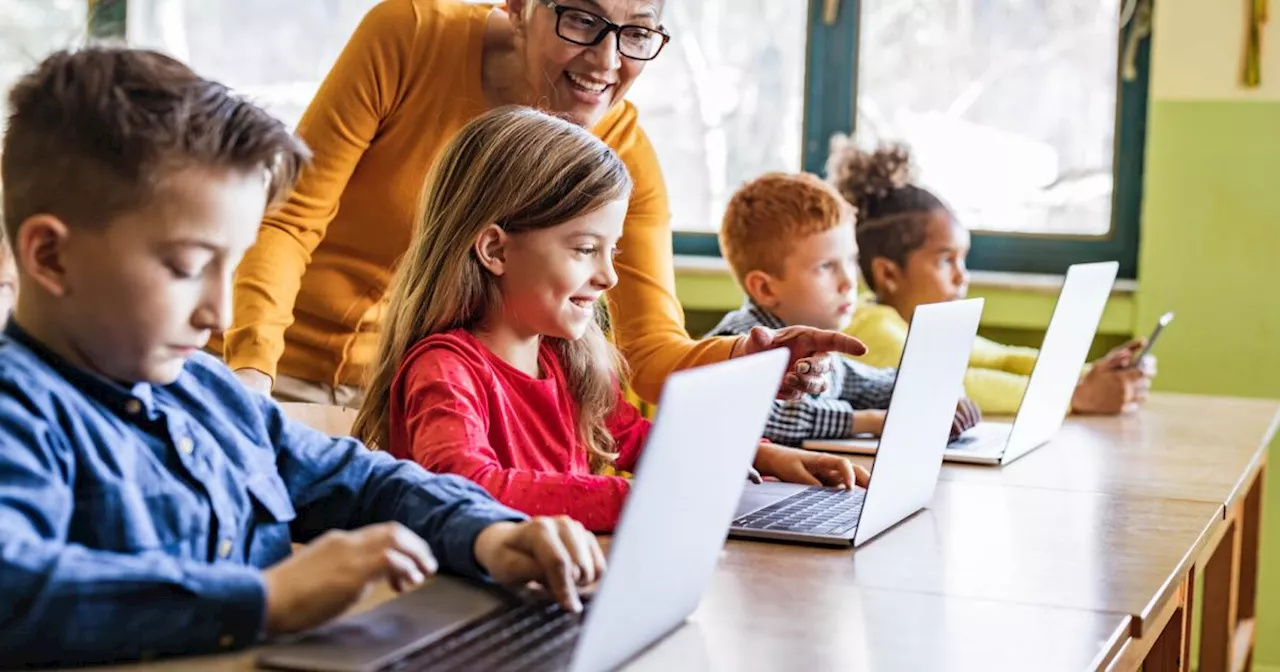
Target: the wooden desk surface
(1055, 548)
(1178, 447)
(1056, 573)
(749, 622)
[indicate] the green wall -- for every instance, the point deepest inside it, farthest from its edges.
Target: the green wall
(1211, 251)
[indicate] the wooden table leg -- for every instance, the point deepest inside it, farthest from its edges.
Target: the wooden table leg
(1218, 617)
(1172, 649)
(1247, 579)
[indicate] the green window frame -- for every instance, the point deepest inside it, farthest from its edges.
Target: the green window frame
(830, 104)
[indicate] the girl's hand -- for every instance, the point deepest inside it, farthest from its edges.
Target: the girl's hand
(808, 468)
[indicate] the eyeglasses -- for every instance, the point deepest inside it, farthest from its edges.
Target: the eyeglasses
(582, 27)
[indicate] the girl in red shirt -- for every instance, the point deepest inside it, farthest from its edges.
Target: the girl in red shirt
(493, 363)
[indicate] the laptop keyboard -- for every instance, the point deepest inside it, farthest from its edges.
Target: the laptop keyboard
(825, 511)
(531, 636)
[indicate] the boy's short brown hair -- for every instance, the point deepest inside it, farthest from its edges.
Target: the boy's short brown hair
(93, 133)
(770, 212)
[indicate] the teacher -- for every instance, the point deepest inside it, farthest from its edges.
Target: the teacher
(310, 296)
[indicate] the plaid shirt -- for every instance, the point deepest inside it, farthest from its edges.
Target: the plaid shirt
(851, 386)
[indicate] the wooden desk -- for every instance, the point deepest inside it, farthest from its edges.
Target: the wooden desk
(1085, 551)
(753, 622)
(1209, 449)
(749, 620)
(1080, 555)
(1179, 447)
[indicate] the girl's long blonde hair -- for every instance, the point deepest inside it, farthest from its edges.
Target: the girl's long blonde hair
(522, 170)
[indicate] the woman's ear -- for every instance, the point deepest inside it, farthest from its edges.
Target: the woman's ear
(516, 10)
(886, 276)
(491, 249)
(759, 286)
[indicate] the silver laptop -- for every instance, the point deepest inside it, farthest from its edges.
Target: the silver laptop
(917, 425)
(666, 545)
(1047, 399)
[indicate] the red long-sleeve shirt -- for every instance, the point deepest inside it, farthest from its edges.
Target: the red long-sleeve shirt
(458, 408)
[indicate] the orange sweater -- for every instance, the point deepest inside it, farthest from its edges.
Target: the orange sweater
(310, 296)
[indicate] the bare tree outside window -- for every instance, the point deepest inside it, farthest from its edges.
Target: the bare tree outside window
(1009, 106)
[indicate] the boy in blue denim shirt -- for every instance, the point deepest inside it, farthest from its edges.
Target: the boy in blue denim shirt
(148, 501)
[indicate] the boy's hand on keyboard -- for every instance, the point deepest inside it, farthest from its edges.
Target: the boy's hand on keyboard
(557, 552)
(330, 574)
(809, 468)
(967, 416)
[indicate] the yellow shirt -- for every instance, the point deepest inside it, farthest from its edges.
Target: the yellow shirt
(997, 376)
(310, 296)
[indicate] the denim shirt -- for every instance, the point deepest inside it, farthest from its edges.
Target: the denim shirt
(135, 520)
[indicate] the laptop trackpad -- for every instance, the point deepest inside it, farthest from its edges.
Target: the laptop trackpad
(756, 496)
(377, 637)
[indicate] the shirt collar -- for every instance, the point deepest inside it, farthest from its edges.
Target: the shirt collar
(764, 317)
(127, 399)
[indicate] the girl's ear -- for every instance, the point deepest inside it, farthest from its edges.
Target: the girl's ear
(887, 276)
(491, 249)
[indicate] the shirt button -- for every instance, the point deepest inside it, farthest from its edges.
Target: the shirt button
(133, 407)
(186, 446)
(225, 548)
(226, 641)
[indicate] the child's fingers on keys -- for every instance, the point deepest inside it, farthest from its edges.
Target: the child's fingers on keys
(844, 473)
(801, 473)
(602, 563)
(402, 571)
(578, 542)
(557, 565)
(414, 547)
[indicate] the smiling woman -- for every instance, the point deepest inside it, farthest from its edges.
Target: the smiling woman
(310, 296)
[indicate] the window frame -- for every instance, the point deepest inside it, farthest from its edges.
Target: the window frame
(107, 19)
(830, 104)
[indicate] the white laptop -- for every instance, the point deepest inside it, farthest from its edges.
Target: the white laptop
(1047, 400)
(916, 428)
(668, 540)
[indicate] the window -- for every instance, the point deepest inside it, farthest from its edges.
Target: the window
(274, 51)
(725, 101)
(1009, 107)
(31, 30)
(1014, 110)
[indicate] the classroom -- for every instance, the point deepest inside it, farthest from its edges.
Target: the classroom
(363, 335)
